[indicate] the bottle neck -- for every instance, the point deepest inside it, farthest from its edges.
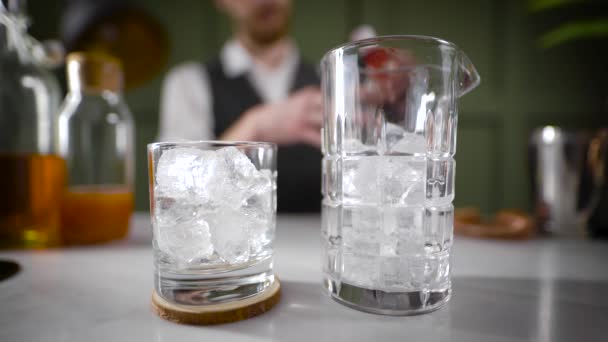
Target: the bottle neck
(83, 85)
(93, 74)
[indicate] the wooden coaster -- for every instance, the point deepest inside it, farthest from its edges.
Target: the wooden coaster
(218, 313)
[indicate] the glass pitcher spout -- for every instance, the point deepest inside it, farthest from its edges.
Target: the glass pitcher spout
(468, 78)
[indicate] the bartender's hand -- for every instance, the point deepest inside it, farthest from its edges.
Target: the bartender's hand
(298, 119)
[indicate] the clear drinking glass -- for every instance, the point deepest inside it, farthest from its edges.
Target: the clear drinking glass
(213, 209)
(389, 138)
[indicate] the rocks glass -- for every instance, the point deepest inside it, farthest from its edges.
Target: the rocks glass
(213, 209)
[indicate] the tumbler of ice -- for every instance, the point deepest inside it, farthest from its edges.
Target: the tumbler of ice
(213, 210)
(389, 138)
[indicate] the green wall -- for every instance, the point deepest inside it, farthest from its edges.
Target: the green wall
(522, 86)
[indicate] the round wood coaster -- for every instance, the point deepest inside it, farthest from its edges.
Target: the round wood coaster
(218, 313)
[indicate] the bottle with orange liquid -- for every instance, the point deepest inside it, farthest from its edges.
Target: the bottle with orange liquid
(32, 175)
(95, 138)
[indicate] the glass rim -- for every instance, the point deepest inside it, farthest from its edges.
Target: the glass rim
(218, 143)
(378, 40)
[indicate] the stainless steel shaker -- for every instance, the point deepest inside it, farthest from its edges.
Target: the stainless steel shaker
(567, 173)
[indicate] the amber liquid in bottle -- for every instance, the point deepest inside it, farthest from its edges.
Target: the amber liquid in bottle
(95, 214)
(32, 186)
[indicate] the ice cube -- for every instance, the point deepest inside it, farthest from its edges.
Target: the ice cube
(169, 210)
(240, 170)
(361, 269)
(392, 135)
(261, 234)
(391, 274)
(392, 180)
(356, 147)
(235, 178)
(410, 143)
(184, 170)
(187, 241)
(408, 231)
(362, 229)
(401, 180)
(258, 206)
(359, 179)
(230, 235)
(262, 181)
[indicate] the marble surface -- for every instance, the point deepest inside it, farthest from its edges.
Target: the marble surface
(542, 290)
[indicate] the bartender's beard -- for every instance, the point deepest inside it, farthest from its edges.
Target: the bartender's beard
(266, 37)
(263, 29)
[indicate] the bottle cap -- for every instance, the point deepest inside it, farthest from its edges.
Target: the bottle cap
(94, 72)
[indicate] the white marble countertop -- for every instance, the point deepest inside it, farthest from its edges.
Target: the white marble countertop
(544, 290)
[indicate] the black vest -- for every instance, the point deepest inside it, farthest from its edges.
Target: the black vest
(299, 166)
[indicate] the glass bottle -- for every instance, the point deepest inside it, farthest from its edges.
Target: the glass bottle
(95, 137)
(31, 174)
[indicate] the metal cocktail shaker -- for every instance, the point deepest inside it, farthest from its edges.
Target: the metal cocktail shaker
(567, 173)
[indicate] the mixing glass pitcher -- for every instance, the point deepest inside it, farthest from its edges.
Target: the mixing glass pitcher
(389, 138)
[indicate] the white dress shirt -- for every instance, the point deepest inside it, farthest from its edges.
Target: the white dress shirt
(186, 108)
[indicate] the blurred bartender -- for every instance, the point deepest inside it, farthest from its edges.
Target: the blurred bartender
(258, 89)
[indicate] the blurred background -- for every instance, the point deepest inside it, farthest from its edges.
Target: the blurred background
(541, 62)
